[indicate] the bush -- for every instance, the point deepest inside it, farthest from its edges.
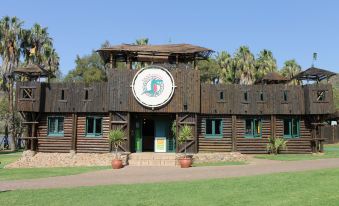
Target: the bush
(274, 145)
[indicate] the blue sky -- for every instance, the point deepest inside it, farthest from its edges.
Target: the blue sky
(290, 28)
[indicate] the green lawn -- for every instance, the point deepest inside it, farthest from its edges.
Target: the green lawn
(218, 164)
(331, 151)
(30, 173)
(299, 188)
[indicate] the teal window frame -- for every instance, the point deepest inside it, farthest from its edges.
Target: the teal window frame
(254, 133)
(94, 133)
(292, 132)
(213, 134)
(56, 120)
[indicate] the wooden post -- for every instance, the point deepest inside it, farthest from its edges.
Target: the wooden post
(33, 135)
(273, 126)
(74, 131)
(128, 129)
(234, 133)
(111, 60)
(128, 62)
(177, 60)
(177, 132)
(110, 128)
(196, 136)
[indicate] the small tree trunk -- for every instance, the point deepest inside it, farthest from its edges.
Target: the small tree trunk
(11, 111)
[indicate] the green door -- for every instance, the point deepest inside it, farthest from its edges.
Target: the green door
(138, 136)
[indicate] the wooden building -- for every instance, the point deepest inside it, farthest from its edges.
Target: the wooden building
(74, 116)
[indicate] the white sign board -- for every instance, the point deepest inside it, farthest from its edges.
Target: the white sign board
(160, 144)
(153, 86)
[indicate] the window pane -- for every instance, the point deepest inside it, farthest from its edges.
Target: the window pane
(245, 96)
(287, 131)
(208, 126)
(257, 127)
(60, 125)
(51, 125)
(295, 127)
(285, 96)
(98, 126)
(218, 126)
(90, 125)
(221, 96)
(248, 127)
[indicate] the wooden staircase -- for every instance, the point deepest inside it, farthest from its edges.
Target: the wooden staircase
(152, 159)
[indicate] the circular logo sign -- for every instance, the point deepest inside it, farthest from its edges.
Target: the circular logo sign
(153, 86)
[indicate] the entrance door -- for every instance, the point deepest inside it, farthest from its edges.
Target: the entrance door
(148, 135)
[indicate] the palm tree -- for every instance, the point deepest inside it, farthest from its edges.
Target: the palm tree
(10, 41)
(40, 45)
(244, 63)
(290, 69)
(225, 63)
(265, 63)
(140, 42)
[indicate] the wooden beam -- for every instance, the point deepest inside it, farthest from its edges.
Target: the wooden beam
(128, 131)
(74, 131)
(196, 138)
(234, 133)
(177, 132)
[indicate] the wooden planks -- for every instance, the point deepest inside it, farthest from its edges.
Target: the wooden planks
(54, 143)
(223, 144)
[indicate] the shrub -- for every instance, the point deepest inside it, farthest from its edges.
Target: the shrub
(274, 145)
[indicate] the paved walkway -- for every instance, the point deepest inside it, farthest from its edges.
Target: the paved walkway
(132, 175)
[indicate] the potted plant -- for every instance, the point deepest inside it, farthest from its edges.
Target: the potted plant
(116, 137)
(185, 134)
(274, 145)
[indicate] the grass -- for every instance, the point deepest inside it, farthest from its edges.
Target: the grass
(331, 151)
(206, 164)
(31, 173)
(318, 187)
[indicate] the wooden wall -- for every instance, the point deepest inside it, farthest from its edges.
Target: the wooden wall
(252, 145)
(187, 92)
(92, 144)
(296, 145)
(312, 105)
(32, 105)
(223, 144)
(234, 102)
(54, 143)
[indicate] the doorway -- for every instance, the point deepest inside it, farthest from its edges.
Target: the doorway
(148, 136)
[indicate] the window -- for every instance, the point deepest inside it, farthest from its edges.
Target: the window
(291, 128)
(285, 96)
(62, 94)
(27, 93)
(86, 94)
(55, 126)
(94, 126)
(221, 95)
(253, 128)
(261, 96)
(321, 95)
(214, 128)
(246, 96)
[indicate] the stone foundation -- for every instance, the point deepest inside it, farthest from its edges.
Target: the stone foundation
(40, 159)
(216, 157)
(31, 159)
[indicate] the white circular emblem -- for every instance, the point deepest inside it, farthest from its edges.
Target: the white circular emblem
(153, 86)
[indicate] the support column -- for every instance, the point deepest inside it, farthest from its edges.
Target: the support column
(196, 145)
(74, 132)
(33, 141)
(177, 132)
(128, 131)
(273, 126)
(234, 133)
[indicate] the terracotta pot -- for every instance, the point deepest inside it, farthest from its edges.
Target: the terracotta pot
(185, 162)
(116, 164)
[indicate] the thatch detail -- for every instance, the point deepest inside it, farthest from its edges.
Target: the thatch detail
(32, 71)
(185, 52)
(314, 74)
(272, 78)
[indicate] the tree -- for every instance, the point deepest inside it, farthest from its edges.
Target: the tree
(10, 40)
(265, 63)
(140, 42)
(290, 69)
(244, 63)
(225, 62)
(89, 68)
(209, 71)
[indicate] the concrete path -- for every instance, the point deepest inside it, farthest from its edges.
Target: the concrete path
(132, 175)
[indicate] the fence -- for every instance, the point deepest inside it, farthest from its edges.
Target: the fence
(330, 133)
